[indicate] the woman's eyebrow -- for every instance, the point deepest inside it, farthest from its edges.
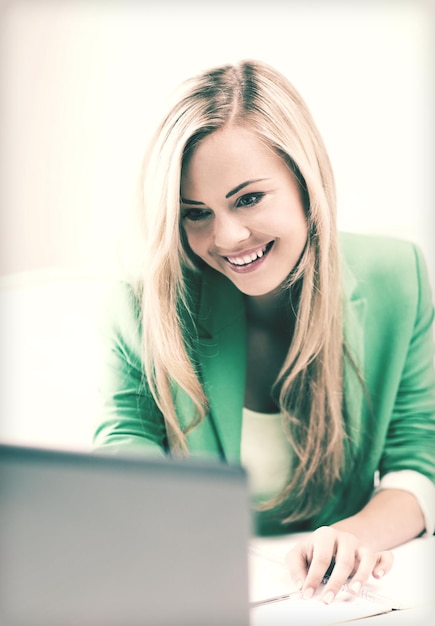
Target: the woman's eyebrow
(229, 194)
(186, 201)
(242, 185)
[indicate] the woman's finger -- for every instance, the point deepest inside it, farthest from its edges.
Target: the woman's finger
(297, 563)
(366, 562)
(318, 553)
(348, 562)
(383, 564)
(376, 564)
(345, 563)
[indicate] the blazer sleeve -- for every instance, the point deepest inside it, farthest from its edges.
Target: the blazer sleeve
(130, 421)
(410, 443)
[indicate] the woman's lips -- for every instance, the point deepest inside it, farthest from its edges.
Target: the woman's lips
(249, 262)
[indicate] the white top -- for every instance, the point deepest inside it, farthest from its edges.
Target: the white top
(266, 455)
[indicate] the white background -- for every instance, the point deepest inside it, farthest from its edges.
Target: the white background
(83, 82)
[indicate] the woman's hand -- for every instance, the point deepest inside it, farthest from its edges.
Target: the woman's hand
(338, 554)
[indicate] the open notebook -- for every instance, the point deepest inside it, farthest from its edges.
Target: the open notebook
(274, 600)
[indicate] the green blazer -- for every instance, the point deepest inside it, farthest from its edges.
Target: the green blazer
(388, 327)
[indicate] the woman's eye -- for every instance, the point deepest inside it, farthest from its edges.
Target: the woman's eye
(249, 199)
(195, 215)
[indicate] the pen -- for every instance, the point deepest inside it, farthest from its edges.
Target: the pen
(293, 595)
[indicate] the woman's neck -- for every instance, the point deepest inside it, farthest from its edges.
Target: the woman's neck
(272, 311)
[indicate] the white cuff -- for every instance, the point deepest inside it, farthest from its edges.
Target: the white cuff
(420, 486)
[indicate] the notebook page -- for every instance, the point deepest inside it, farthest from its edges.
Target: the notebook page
(410, 583)
(314, 612)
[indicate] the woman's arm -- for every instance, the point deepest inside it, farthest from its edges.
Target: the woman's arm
(359, 545)
(391, 517)
(129, 422)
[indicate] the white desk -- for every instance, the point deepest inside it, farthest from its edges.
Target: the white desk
(410, 586)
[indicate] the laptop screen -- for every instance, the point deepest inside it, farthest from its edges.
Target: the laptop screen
(90, 540)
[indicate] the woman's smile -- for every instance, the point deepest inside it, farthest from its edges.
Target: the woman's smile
(249, 261)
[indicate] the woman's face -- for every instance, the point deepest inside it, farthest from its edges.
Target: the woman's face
(242, 211)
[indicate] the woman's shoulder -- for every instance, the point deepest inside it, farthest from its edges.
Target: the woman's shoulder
(123, 297)
(368, 248)
(120, 315)
(379, 255)
(385, 267)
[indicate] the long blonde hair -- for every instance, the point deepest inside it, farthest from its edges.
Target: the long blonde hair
(253, 95)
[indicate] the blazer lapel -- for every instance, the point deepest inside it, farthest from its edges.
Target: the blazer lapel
(354, 320)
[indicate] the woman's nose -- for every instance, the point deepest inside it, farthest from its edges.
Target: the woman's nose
(229, 231)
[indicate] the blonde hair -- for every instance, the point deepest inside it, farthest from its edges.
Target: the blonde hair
(253, 95)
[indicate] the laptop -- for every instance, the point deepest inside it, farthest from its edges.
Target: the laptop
(96, 540)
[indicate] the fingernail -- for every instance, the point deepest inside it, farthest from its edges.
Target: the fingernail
(380, 573)
(328, 597)
(299, 584)
(308, 593)
(356, 586)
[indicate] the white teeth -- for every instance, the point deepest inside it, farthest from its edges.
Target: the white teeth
(249, 258)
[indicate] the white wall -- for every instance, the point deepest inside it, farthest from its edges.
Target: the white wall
(82, 82)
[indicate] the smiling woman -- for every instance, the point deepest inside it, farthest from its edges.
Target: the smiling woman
(251, 210)
(258, 334)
